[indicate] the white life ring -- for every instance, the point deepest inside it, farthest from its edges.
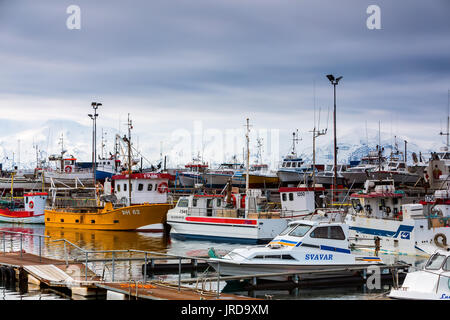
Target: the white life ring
(31, 205)
(163, 187)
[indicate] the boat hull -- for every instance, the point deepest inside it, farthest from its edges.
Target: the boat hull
(137, 217)
(35, 219)
(236, 230)
(291, 176)
(262, 181)
(239, 269)
(399, 178)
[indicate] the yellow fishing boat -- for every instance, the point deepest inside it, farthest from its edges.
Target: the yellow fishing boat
(140, 209)
(135, 217)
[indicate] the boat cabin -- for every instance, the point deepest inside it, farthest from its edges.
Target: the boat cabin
(196, 168)
(145, 187)
(298, 200)
(292, 163)
(307, 233)
(236, 206)
(379, 199)
(35, 201)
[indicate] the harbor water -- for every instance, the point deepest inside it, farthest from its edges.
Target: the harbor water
(155, 242)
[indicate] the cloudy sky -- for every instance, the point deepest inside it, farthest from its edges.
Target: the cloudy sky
(174, 63)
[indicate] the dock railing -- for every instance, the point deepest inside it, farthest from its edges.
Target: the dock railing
(148, 257)
(20, 236)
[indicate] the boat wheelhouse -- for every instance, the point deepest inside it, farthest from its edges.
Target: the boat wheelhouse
(145, 188)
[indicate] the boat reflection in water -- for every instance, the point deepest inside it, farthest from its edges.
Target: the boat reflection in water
(109, 240)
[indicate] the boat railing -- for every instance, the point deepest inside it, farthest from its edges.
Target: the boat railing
(264, 213)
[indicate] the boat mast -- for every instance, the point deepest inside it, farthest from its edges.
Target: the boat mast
(247, 136)
(316, 133)
(128, 140)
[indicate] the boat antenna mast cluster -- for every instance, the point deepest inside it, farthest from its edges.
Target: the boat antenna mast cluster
(127, 140)
(295, 140)
(316, 133)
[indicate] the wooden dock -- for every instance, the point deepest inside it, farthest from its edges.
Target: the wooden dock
(51, 272)
(164, 291)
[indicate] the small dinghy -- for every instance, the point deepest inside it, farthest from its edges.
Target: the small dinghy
(431, 283)
(305, 245)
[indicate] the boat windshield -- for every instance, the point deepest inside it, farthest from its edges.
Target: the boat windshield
(435, 262)
(288, 229)
(300, 230)
(183, 202)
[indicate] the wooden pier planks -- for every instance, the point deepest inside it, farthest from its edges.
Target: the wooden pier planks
(156, 291)
(50, 271)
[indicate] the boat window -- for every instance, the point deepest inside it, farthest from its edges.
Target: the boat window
(287, 230)
(194, 202)
(288, 164)
(150, 187)
(320, 232)
(283, 165)
(183, 202)
(332, 232)
(294, 164)
(291, 196)
(118, 187)
(446, 266)
(435, 262)
(300, 230)
(124, 187)
(140, 186)
(337, 233)
(219, 202)
(284, 196)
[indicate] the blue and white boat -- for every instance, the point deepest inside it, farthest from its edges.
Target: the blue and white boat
(380, 211)
(305, 245)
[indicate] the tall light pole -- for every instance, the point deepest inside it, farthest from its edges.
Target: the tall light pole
(94, 116)
(334, 81)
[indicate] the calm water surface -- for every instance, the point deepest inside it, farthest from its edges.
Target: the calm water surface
(157, 242)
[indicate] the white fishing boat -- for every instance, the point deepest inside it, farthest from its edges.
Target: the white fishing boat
(396, 169)
(358, 174)
(218, 178)
(239, 218)
(379, 211)
(326, 177)
(193, 174)
(431, 283)
(28, 210)
(305, 245)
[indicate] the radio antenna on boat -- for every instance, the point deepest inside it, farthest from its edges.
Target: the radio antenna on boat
(448, 120)
(316, 133)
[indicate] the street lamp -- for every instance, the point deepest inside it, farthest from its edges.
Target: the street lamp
(334, 81)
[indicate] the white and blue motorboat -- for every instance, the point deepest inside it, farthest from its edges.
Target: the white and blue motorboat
(305, 245)
(431, 283)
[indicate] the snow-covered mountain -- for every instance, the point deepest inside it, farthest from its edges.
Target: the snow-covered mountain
(19, 140)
